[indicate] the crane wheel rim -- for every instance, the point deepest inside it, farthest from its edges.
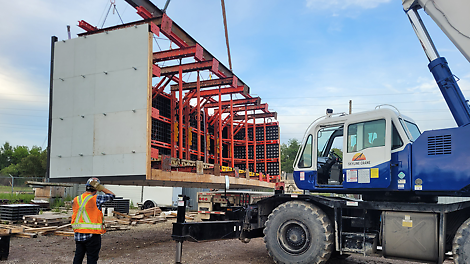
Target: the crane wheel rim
(294, 237)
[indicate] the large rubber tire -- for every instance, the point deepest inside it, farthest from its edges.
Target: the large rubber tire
(461, 244)
(298, 232)
(149, 204)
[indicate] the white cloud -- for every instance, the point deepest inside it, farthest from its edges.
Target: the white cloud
(343, 4)
(19, 89)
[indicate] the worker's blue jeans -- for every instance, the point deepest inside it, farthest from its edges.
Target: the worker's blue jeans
(91, 247)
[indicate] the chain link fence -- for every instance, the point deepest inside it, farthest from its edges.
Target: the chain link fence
(16, 190)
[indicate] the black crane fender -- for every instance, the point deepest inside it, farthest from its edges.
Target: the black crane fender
(298, 232)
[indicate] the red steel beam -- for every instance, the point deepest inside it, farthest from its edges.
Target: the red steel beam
(262, 115)
(194, 51)
(214, 92)
(255, 101)
(166, 27)
(196, 66)
(209, 83)
(86, 26)
(158, 90)
(144, 13)
(263, 107)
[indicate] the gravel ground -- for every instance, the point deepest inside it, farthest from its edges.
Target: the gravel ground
(153, 244)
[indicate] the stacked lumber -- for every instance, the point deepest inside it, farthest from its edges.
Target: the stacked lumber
(147, 216)
(45, 220)
(173, 214)
(6, 230)
(31, 232)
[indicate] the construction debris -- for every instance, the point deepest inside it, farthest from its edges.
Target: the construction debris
(57, 224)
(45, 220)
(147, 216)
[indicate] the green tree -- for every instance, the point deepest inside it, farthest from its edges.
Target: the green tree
(33, 165)
(19, 153)
(288, 153)
(338, 152)
(6, 153)
(22, 162)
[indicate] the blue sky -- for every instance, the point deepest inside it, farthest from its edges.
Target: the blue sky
(300, 57)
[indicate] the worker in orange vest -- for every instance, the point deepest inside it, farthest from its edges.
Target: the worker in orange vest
(87, 221)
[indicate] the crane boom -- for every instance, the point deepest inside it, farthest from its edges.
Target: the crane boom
(451, 16)
(443, 13)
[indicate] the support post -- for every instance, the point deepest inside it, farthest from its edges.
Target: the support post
(198, 94)
(247, 138)
(254, 144)
(180, 104)
(220, 128)
(49, 127)
(206, 139)
(173, 124)
(232, 148)
(265, 153)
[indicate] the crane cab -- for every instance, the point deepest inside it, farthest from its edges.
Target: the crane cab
(352, 153)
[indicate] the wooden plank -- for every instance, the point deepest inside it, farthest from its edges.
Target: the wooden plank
(64, 226)
(64, 233)
(152, 210)
(40, 229)
(121, 214)
(189, 179)
(27, 235)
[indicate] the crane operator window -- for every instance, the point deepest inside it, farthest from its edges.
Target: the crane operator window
(305, 160)
(366, 135)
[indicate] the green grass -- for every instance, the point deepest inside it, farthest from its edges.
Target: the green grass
(15, 198)
(7, 189)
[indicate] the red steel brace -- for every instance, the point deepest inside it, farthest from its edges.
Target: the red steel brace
(86, 26)
(144, 13)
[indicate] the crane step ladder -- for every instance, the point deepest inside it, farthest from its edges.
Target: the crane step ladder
(352, 233)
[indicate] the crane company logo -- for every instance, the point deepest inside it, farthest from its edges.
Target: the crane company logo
(359, 156)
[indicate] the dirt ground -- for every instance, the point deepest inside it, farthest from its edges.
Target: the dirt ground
(153, 244)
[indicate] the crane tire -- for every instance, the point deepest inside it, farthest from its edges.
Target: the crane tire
(461, 244)
(298, 232)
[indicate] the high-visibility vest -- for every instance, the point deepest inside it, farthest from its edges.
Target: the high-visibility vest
(87, 218)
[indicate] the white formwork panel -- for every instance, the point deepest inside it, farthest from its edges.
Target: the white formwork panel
(122, 49)
(85, 56)
(61, 166)
(84, 95)
(121, 133)
(105, 80)
(120, 91)
(119, 164)
(64, 55)
(63, 93)
(62, 141)
(82, 135)
(81, 165)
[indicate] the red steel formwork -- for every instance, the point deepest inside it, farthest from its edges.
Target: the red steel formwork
(198, 119)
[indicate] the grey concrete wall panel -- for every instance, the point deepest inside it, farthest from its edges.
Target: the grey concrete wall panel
(100, 104)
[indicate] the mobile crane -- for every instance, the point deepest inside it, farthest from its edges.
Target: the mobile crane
(398, 170)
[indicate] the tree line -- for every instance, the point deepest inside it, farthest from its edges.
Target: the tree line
(289, 152)
(20, 161)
